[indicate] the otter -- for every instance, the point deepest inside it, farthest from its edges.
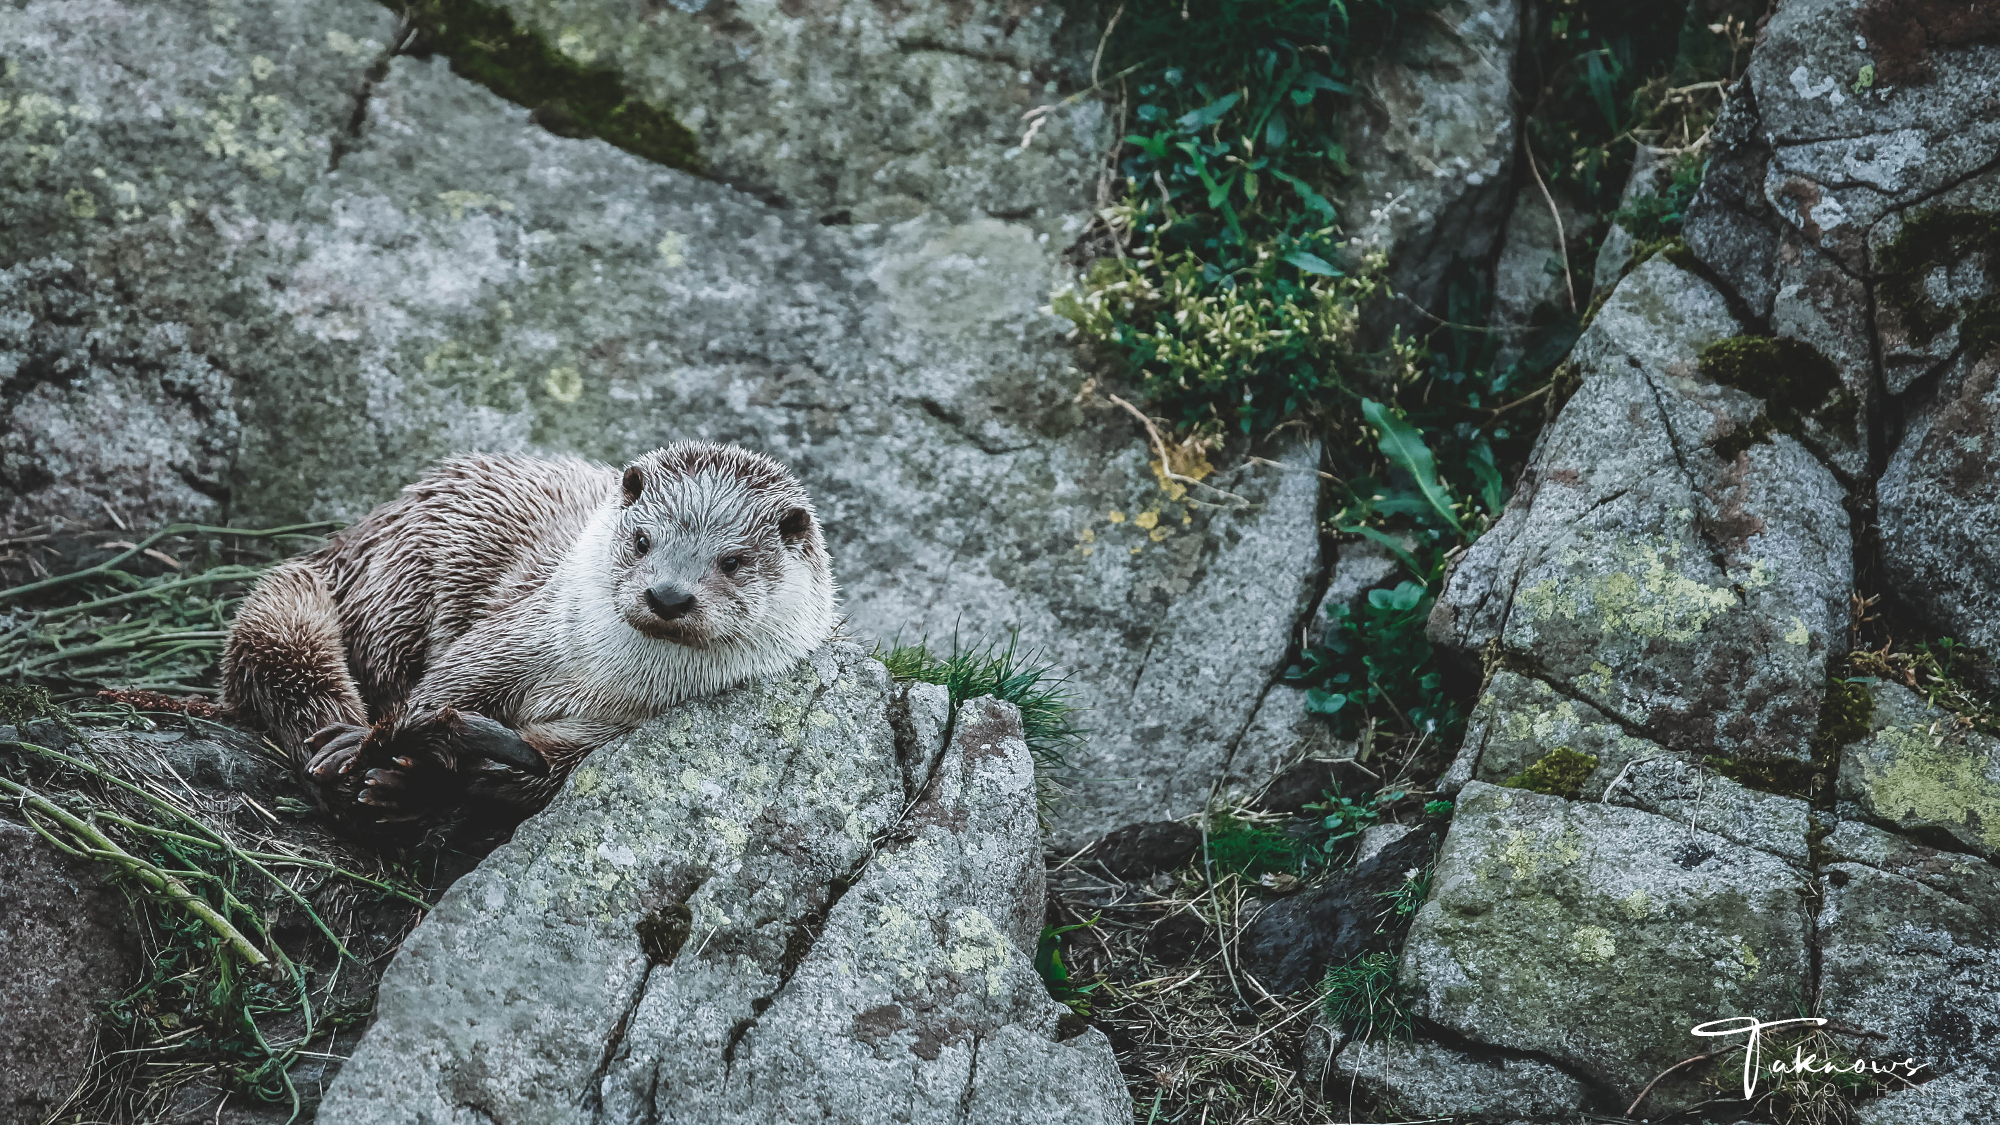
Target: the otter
(505, 615)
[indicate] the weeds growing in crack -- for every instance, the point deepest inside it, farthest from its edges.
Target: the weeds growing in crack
(1041, 694)
(1196, 1034)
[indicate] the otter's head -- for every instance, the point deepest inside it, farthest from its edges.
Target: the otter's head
(720, 546)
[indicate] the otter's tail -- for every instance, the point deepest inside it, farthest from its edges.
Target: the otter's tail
(285, 667)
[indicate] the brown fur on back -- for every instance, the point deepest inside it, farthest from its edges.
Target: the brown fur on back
(472, 538)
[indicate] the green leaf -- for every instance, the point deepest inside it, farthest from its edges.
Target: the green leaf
(1312, 198)
(1312, 263)
(1492, 489)
(1274, 131)
(1403, 446)
(1209, 114)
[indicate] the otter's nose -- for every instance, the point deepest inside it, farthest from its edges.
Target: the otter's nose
(670, 601)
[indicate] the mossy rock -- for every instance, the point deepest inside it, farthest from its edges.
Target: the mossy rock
(1560, 773)
(1938, 236)
(1793, 379)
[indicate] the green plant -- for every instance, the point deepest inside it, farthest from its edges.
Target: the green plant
(1407, 896)
(229, 985)
(1657, 218)
(1055, 971)
(1236, 304)
(1376, 666)
(142, 618)
(1364, 999)
(1048, 710)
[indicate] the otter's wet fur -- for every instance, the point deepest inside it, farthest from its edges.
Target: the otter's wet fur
(524, 611)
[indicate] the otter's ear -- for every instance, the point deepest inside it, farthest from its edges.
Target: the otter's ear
(795, 525)
(635, 483)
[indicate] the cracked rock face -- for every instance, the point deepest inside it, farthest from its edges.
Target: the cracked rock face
(1924, 773)
(1592, 937)
(753, 909)
(1653, 563)
(232, 285)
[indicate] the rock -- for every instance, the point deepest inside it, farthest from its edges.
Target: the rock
(1528, 281)
(729, 915)
(1685, 793)
(67, 948)
(1648, 163)
(1924, 772)
(1138, 850)
(1429, 1079)
(1378, 838)
(1432, 145)
(1940, 508)
(1293, 941)
(1520, 719)
(1278, 758)
(1595, 936)
(1941, 1101)
(858, 113)
(259, 310)
(1358, 567)
(1906, 944)
(1653, 563)
(1821, 160)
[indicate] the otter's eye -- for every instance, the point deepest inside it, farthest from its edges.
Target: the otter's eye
(728, 563)
(642, 542)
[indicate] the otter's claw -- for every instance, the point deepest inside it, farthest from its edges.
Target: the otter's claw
(336, 749)
(484, 738)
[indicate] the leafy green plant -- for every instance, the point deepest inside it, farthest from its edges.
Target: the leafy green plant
(1055, 970)
(1048, 713)
(1377, 666)
(1364, 999)
(1236, 304)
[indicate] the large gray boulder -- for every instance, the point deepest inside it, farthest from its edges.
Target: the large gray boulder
(67, 949)
(812, 899)
(256, 267)
(1656, 563)
(1594, 937)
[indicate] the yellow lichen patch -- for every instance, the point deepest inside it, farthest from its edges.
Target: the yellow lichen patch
(1646, 596)
(670, 247)
(262, 68)
(1748, 958)
(731, 834)
(459, 202)
(1087, 535)
(1593, 945)
(82, 204)
(1115, 516)
(564, 384)
(1159, 534)
(978, 946)
(1147, 520)
(1636, 904)
(1138, 549)
(262, 131)
(1521, 854)
(1935, 778)
(1799, 634)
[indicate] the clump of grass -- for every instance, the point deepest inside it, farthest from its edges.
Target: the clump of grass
(1048, 710)
(242, 958)
(1364, 999)
(152, 616)
(1946, 673)
(1559, 773)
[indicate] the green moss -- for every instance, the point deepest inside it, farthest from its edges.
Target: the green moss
(1560, 773)
(1792, 378)
(24, 703)
(1846, 715)
(1935, 237)
(1253, 850)
(569, 99)
(1784, 777)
